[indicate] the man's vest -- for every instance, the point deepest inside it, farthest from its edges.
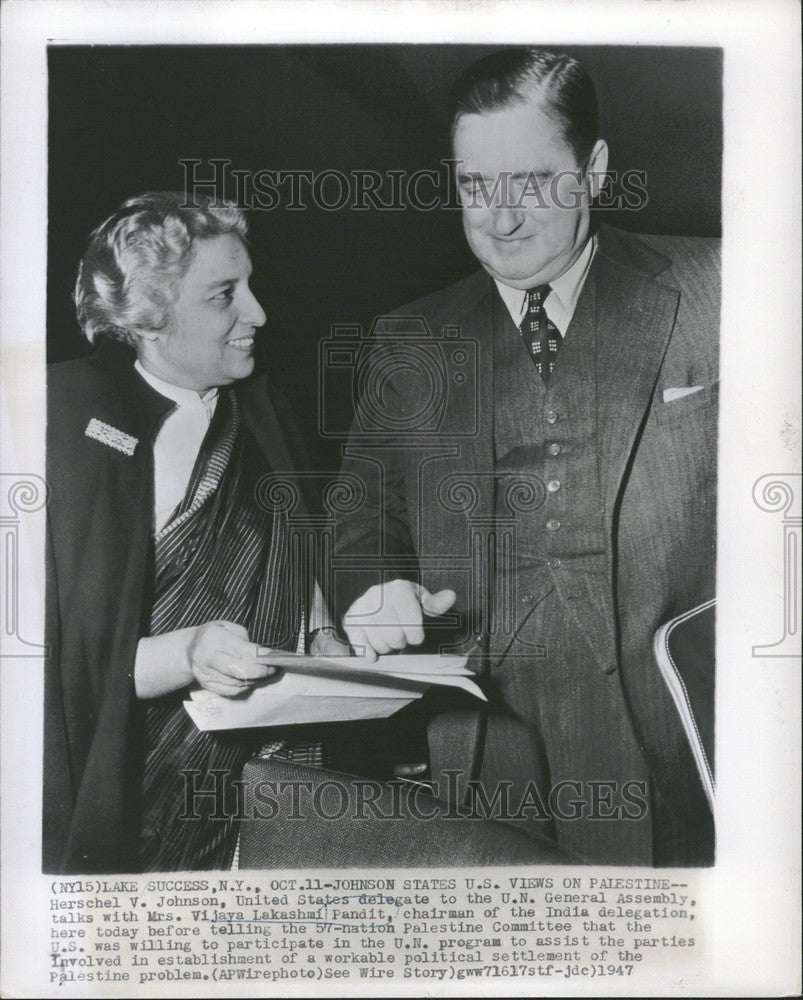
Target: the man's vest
(549, 507)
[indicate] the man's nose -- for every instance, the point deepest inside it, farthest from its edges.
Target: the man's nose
(251, 312)
(507, 220)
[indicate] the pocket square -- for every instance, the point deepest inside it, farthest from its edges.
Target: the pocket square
(679, 393)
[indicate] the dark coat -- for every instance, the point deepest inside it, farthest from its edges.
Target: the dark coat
(656, 320)
(99, 574)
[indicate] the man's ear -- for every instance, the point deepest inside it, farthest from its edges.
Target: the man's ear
(597, 168)
(149, 335)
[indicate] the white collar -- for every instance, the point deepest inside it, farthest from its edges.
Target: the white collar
(184, 397)
(566, 287)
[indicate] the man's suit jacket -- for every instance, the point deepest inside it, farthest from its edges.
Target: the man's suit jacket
(99, 576)
(425, 458)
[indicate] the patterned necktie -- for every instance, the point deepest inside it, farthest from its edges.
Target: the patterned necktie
(540, 334)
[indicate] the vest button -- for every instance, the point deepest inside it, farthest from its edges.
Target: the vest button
(551, 417)
(552, 524)
(553, 485)
(554, 449)
(526, 598)
(553, 563)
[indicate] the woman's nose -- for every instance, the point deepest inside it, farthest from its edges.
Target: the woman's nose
(251, 312)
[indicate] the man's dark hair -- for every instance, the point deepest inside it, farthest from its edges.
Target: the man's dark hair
(515, 76)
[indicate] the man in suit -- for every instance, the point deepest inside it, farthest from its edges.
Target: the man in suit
(165, 568)
(551, 486)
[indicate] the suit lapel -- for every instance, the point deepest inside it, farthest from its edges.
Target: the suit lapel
(127, 403)
(634, 316)
(463, 471)
(477, 450)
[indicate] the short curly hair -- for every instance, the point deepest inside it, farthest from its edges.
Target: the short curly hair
(129, 276)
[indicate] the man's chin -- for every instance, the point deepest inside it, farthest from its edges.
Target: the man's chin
(517, 276)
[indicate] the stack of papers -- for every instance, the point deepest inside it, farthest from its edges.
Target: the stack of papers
(330, 689)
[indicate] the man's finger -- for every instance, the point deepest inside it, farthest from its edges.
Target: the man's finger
(359, 643)
(375, 638)
(437, 604)
(408, 611)
(391, 634)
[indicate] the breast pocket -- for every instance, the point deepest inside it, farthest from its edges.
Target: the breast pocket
(694, 402)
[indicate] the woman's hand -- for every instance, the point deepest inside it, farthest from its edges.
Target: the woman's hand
(325, 642)
(217, 655)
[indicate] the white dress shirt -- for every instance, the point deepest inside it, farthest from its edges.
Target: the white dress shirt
(562, 300)
(177, 444)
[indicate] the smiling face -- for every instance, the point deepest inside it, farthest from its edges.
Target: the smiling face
(210, 341)
(536, 223)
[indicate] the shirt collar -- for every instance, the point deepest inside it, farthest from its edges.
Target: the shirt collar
(184, 397)
(566, 286)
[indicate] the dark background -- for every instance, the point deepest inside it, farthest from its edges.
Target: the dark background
(121, 118)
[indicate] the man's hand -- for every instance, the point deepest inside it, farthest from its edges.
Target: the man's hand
(217, 655)
(390, 616)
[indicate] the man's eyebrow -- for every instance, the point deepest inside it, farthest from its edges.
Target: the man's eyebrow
(519, 175)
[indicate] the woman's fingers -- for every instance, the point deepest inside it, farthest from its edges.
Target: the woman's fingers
(246, 671)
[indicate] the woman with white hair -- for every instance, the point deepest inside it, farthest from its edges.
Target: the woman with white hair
(164, 569)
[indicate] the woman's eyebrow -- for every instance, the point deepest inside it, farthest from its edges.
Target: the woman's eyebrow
(220, 282)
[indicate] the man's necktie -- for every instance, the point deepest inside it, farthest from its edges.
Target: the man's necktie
(540, 334)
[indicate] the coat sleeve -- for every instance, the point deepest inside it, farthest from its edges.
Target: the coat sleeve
(373, 541)
(98, 525)
(57, 784)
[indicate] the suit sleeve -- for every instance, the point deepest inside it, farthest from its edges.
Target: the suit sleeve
(373, 542)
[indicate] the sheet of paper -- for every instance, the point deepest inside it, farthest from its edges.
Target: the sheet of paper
(423, 668)
(402, 663)
(214, 713)
(294, 699)
(445, 680)
(318, 689)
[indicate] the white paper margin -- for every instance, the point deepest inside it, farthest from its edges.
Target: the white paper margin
(753, 894)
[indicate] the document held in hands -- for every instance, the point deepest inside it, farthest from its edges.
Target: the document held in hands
(330, 689)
